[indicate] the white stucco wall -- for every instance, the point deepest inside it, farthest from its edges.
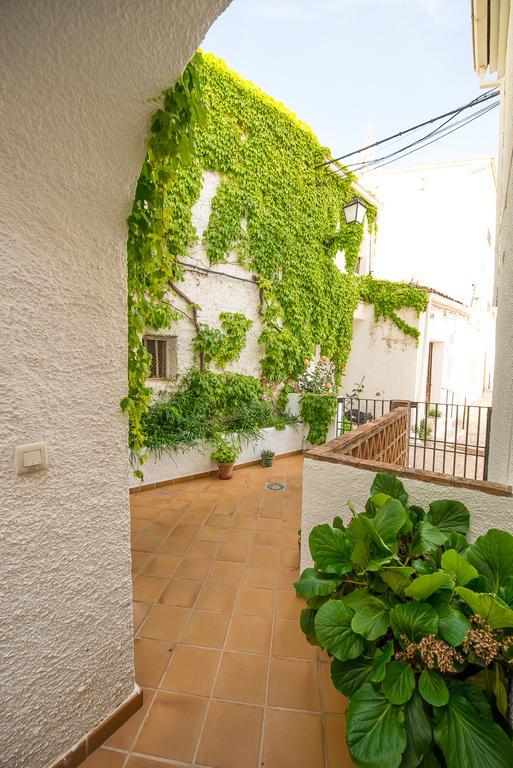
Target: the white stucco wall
(341, 483)
(74, 102)
(501, 445)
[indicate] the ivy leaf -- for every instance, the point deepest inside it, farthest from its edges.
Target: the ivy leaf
(418, 732)
(371, 619)
(415, 620)
(459, 567)
(375, 731)
(467, 740)
(399, 682)
(448, 516)
(387, 483)
(380, 660)
(349, 676)
(397, 578)
(433, 689)
(330, 549)
(489, 607)
(492, 555)
(333, 628)
(313, 583)
(424, 586)
(388, 521)
(427, 537)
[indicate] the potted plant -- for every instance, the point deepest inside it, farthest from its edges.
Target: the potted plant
(225, 455)
(318, 402)
(267, 457)
(419, 626)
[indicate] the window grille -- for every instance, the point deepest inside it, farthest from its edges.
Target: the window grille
(157, 348)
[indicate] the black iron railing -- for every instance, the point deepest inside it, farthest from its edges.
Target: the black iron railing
(443, 437)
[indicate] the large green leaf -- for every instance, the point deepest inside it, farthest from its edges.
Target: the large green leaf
(449, 515)
(348, 676)
(381, 658)
(506, 591)
(467, 740)
(307, 624)
(397, 577)
(415, 620)
(493, 611)
(419, 733)
(313, 583)
(495, 681)
(433, 688)
(389, 520)
(457, 541)
(424, 586)
(492, 555)
(385, 482)
(333, 628)
(399, 682)
(371, 619)
(452, 624)
(375, 731)
(427, 537)
(330, 549)
(458, 567)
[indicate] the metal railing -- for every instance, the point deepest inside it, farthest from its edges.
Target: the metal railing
(443, 437)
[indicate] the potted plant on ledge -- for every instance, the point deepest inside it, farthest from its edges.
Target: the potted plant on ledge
(225, 455)
(418, 623)
(267, 457)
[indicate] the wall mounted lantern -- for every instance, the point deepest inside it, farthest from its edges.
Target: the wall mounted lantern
(355, 210)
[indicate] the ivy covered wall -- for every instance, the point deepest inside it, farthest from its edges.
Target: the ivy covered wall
(275, 211)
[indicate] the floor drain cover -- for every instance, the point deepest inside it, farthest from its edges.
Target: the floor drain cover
(276, 486)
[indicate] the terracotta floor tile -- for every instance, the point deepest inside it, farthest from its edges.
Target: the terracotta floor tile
(242, 677)
(237, 553)
(145, 542)
(165, 622)
(193, 568)
(173, 546)
(249, 506)
(138, 525)
(144, 762)
(272, 511)
(268, 524)
(332, 700)
(207, 629)
(260, 576)
(289, 540)
(192, 670)
(263, 555)
(140, 611)
(161, 565)
(169, 515)
(105, 758)
(267, 539)
(287, 577)
(239, 536)
(124, 737)
(254, 601)
(289, 558)
(217, 597)
(204, 549)
(147, 589)
(226, 573)
(244, 523)
(226, 505)
(193, 516)
(221, 521)
(295, 684)
(235, 488)
(183, 592)
(144, 513)
(139, 560)
(186, 531)
(251, 634)
(338, 753)
(231, 738)
(290, 642)
(150, 660)
(159, 528)
(211, 533)
(288, 604)
(163, 733)
(293, 740)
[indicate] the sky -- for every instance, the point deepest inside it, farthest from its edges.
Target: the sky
(360, 70)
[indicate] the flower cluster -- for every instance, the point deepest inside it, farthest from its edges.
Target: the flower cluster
(481, 640)
(433, 652)
(321, 379)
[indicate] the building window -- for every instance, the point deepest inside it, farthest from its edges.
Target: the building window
(163, 356)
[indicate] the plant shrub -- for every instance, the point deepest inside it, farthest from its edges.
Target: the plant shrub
(419, 625)
(318, 412)
(225, 452)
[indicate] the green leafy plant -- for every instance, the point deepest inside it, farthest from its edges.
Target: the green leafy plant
(223, 346)
(419, 625)
(225, 452)
(320, 379)
(318, 411)
(424, 430)
(434, 413)
(267, 454)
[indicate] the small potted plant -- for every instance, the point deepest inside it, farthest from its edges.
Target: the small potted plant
(224, 456)
(267, 457)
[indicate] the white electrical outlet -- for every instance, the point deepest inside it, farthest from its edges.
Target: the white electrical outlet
(31, 457)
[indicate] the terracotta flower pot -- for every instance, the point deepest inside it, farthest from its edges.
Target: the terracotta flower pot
(225, 471)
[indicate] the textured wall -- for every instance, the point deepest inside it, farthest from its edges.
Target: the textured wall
(328, 487)
(76, 79)
(501, 446)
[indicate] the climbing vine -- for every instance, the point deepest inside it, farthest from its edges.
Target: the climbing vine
(275, 211)
(388, 297)
(223, 346)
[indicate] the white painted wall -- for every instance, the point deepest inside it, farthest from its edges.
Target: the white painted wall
(74, 102)
(341, 483)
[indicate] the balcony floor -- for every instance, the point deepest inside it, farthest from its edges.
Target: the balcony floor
(229, 680)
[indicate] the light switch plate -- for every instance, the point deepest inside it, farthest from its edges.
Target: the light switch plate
(31, 457)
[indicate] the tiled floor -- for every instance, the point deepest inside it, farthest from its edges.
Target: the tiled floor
(229, 680)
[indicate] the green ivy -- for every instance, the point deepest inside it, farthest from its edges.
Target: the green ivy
(318, 412)
(389, 297)
(223, 346)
